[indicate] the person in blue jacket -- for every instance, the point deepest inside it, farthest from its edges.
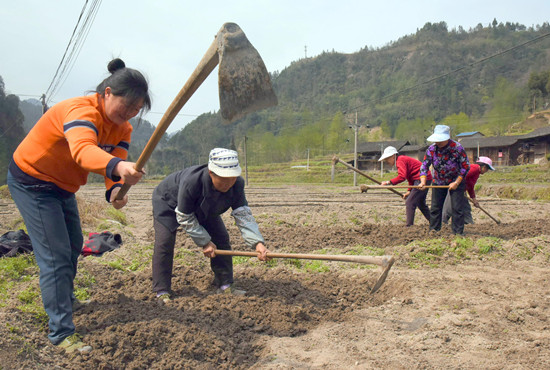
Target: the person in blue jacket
(195, 198)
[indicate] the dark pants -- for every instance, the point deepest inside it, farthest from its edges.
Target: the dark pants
(163, 254)
(417, 198)
(458, 200)
(448, 211)
(53, 224)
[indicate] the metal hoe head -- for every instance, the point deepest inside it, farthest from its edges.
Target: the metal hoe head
(386, 268)
(243, 80)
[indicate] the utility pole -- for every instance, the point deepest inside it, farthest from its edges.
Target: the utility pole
(355, 151)
(44, 106)
(245, 162)
(381, 162)
(307, 166)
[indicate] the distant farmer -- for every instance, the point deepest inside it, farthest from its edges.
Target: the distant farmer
(408, 169)
(73, 138)
(450, 166)
(482, 165)
(195, 198)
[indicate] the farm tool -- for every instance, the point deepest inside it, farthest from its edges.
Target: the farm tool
(385, 262)
(338, 160)
(243, 81)
(487, 213)
(365, 188)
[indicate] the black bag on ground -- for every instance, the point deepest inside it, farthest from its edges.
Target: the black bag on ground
(15, 242)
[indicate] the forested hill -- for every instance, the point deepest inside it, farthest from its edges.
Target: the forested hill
(483, 79)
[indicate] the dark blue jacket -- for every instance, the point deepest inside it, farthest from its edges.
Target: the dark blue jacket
(192, 191)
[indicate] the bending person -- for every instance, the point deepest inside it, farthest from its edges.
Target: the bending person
(195, 198)
(482, 165)
(73, 138)
(408, 169)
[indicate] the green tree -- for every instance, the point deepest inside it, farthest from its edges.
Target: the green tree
(335, 136)
(11, 129)
(458, 123)
(506, 109)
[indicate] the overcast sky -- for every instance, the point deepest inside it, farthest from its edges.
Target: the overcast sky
(165, 39)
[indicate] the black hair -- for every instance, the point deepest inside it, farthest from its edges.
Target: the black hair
(481, 164)
(126, 82)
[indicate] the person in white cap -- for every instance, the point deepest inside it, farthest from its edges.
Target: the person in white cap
(408, 169)
(195, 198)
(482, 165)
(450, 166)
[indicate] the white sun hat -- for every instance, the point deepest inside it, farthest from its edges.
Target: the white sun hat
(441, 133)
(388, 152)
(224, 162)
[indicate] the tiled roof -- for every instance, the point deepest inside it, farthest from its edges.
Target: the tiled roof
(468, 133)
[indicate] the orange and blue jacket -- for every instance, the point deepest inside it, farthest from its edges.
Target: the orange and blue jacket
(72, 139)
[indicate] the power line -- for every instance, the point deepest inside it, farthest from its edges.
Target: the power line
(75, 45)
(67, 48)
(81, 37)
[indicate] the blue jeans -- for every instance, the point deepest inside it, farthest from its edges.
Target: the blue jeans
(53, 224)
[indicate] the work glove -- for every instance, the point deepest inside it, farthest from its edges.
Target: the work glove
(99, 243)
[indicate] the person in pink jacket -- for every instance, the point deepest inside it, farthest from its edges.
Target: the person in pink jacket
(482, 165)
(408, 169)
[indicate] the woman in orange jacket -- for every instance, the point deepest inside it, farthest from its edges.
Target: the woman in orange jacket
(73, 138)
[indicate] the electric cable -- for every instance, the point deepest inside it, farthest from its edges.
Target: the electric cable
(73, 48)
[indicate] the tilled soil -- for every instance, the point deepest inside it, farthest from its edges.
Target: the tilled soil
(479, 311)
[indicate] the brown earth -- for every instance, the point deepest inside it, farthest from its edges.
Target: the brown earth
(441, 306)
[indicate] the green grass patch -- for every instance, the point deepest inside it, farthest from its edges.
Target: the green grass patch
(15, 268)
(240, 260)
(314, 266)
(488, 244)
(117, 215)
(362, 250)
(82, 284)
(28, 295)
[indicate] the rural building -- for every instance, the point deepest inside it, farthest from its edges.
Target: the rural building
(368, 153)
(513, 150)
(510, 150)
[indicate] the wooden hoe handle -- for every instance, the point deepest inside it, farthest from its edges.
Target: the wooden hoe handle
(407, 186)
(487, 213)
(336, 159)
(374, 260)
(206, 66)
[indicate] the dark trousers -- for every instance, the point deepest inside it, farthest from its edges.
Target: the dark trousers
(458, 199)
(163, 254)
(417, 198)
(53, 224)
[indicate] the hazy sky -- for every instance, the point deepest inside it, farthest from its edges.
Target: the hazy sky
(165, 39)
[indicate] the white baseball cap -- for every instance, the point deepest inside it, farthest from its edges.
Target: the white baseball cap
(388, 152)
(224, 162)
(441, 133)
